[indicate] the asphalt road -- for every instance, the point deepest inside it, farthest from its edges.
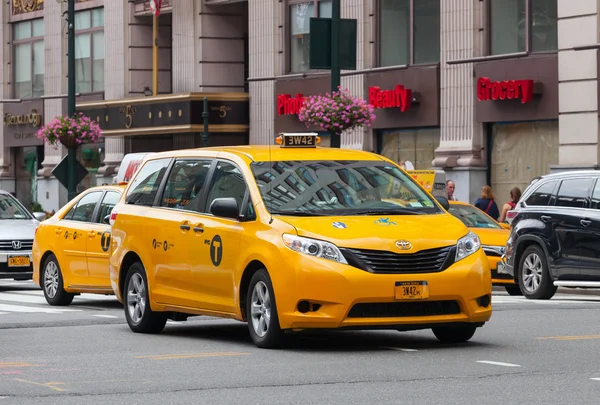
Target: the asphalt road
(531, 352)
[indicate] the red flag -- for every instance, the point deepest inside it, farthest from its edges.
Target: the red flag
(155, 6)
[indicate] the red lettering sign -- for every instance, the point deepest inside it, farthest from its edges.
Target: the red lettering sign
(399, 97)
(288, 105)
(505, 90)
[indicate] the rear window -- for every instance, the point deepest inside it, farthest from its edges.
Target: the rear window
(541, 196)
(145, 185)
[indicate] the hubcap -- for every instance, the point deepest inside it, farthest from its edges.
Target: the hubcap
(532, 272)
(51, 279)
(260, 309)
(136, 298)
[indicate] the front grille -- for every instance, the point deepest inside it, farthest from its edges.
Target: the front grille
(404, 309)
(384, 262)
(500, 276)
(7, 245)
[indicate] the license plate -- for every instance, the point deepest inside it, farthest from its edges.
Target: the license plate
(412, 290)
(18, 261)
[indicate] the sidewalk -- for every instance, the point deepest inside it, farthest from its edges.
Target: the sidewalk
(565, 290)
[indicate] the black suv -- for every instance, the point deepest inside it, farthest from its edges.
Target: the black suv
(555, 235)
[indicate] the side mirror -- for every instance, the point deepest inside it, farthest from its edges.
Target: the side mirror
(225, 208)
(443, 202)
(106, 220)
(40, 216)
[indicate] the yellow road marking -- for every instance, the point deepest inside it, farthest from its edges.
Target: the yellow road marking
(583, 337)
(190, 355)
(98, 382)
(9, 364)
(47, 385)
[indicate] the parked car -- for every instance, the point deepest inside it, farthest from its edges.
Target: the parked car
(17, 228)
(493, 236)
(555, 235)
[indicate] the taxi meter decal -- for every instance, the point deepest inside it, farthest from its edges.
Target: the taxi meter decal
(105, 241)
(216, 250)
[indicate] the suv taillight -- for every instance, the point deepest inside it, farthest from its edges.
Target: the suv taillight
(113, 217)
(510, 215)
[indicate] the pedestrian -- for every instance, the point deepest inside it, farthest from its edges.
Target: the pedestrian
(450, 187)
(486, 202)
(515, 196)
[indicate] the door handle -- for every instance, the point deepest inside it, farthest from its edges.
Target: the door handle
(184, 227)
(59, 232)
(92, 234)
(546, 218)
(585, 222)
(199, 228)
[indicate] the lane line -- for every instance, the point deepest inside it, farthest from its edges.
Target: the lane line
(40, 384)
(20, 308)
(173, 322)
(26, 299)
(401, 349)
(498, 363)
(595, 379)
(106, 316)
(582, 337)
(190, 355)
(3, 313)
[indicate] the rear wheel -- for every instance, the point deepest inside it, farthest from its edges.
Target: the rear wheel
(136, 302)
(53, 284)
(513, 290)
(454, 334)
(534, 277)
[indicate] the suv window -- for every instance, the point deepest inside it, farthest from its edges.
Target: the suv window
(84, 210)
(226, 182)
(185, 184)
(145, 186)
(574, 193)
(596, 196)
(541, 196)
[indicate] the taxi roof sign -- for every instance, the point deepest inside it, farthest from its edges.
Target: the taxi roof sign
(298, 140)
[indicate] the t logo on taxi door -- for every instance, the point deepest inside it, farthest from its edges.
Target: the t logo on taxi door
(216, 250)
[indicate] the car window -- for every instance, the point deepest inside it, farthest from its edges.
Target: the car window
(185, 184)
(84, 210)
(108, 203)
(574, 193)
(11, 209)
(226, 182)
(541, 196)
(473, 217)
(595, 203)
(145, 185)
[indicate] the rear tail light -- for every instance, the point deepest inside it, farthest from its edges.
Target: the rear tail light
(113, 217)
(510, 216)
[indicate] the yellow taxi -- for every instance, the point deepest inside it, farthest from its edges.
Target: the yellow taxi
(71, 249)
(493, 236)
(290, 237)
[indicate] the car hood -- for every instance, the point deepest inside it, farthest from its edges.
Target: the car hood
(492, 237)
(382, 232)
(17, 229)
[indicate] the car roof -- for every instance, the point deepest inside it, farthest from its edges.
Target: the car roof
(459, 203)
(570, 173)
(113, 187)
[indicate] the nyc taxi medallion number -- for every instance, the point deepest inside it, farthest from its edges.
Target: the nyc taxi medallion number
(411, 290)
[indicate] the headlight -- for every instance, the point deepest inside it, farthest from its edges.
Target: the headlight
(467, 245)
(313, 247)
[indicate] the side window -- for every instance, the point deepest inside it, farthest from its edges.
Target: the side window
(108, 203)
(574, 193)
(541, 196)
(186, 181)
(226, 182)
(85, 207)
(596, 196)
(145, 186)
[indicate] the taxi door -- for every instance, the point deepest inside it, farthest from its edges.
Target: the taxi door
(213, 263)
(72, 236)
(98, 243)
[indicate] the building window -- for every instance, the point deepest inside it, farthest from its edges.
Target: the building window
(511, 26)
(28, 40)
(89, 50)
(300, 14)
(397, 20)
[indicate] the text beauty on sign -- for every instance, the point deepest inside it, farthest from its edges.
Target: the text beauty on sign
(505, 90)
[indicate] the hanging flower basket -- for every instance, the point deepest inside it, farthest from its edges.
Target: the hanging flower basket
(336, 112)
(71, 132)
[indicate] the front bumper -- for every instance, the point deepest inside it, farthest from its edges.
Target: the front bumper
(505, 268)
(341, 296)
(15, 272)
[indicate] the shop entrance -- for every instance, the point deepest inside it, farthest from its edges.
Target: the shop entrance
(414, 145)
(26, 162)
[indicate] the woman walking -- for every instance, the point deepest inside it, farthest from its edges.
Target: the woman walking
(487, 204)
(515, 196)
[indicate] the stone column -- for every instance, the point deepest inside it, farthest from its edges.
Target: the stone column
(578, 88)
(115, 62)
(462, 137)
(5, 184)
(186, 46)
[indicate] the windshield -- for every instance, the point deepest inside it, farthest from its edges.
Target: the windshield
(11, 209)
(339, 188)
(473, 217)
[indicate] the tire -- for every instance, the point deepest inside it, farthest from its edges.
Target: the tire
(454, 334)
(136, 303)
(513, 290)
(533, 275)
(53, 285)
(263, 323)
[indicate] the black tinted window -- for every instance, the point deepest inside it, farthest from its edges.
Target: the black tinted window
(145, 186)
(596, 196)
(226, 182)
(574, 193)
(108, 203)
(185, 184)
(542, 195)
(85, 207)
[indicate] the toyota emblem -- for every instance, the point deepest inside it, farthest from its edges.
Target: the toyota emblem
(403, 245)
(16, 244)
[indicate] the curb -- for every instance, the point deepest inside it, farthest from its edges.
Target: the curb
(565, 290)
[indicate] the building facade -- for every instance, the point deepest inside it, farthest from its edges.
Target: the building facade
(491, 91)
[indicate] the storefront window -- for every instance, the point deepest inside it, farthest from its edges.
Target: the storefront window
(28, 40)
(510, 22)
(395, 28)
(89, 50)
(300, 14)
(416, 146)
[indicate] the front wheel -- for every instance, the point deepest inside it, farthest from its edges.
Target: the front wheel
(513, 290)
(136, 302)
(534, 277)
(261, 310)
(53, 284)
(454, 334)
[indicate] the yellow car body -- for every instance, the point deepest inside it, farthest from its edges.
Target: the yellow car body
(367, 270)
(71, 249)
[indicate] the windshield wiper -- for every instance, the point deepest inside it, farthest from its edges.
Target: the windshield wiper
(301, 213)
(383, 211)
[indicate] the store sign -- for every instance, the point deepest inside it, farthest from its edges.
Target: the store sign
(400, 97)
(505, 90)
(288, 105)
(33, 118)
(21, 123)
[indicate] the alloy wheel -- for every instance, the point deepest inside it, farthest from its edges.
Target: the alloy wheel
(51, 279)
(261, 309)
(532, 272)
(136, 298)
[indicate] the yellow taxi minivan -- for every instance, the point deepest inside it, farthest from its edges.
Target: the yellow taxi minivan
(291, 237)
(71, 249)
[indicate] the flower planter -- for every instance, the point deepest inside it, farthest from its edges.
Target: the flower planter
(70, 131)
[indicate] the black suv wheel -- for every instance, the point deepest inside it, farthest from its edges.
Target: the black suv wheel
(533, 275)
